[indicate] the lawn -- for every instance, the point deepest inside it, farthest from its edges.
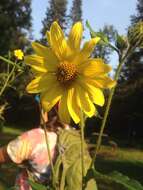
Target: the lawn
(125, 160)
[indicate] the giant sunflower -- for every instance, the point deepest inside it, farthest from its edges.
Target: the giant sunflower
(66, 74)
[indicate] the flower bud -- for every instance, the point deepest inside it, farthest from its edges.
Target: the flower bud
(121, 42)
(135, 34)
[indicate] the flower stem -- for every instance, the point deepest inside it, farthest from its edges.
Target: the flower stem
(99, 140)
(82, 146)
(9, 62)
(48, 150)
(7, 80)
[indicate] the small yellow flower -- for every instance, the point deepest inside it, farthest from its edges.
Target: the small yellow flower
(19, 54)
(66, 73)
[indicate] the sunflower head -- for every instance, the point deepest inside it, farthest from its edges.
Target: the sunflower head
(66, 74)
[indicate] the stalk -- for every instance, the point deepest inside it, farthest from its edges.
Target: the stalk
(9, 62)
(118, 71)
(48, 150)
(82, 146)
(7, 80)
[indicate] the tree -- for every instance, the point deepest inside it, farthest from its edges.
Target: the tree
(15, 23)
(127, 106)
(55, 12)
(134, 65)
(139, 15)
(101, 50)
(76, 11)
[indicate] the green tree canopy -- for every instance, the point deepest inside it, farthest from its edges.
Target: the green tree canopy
(76, 11)
(102, 50)
(15, 23)
(56, 11)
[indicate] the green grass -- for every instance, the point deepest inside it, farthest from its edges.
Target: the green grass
(125, 160)
(11, 131)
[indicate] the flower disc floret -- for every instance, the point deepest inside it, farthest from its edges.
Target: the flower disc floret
(66, 73)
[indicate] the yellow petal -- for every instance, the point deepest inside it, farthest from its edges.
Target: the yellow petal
(88, 49)
(95, 94)
(73, 106)
(94, 68)
(58, 41)
(84, 102)
(33, 86)
(50, 97)
(48, 37)
(63, 109)
(48, 81)
(36, 62)
(102, 82)
(75, 36)
(41, 83)
(46, 53)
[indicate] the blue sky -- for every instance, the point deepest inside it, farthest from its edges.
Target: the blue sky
(98, 12)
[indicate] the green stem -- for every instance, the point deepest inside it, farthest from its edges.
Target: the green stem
(7, 80)
(62, 183)
(9, 62)
(82, 146)
(99, 140)
(48, 150)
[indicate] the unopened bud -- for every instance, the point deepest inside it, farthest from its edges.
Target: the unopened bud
(135, 34)
(121, 42)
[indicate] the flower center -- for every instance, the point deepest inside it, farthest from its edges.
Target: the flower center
(66, 72)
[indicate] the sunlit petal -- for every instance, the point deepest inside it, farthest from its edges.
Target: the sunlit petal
(84, 102)
(88, 49)
(94, 68)
(95, 94)
(102, 82)
(75, 36)
(33, 86)
(73, 107)
(50, 97)
(63, 109)
(36, 62)
(45, 52)
(58, 41)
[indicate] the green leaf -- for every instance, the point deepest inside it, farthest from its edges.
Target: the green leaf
(37, 186)
(91, 185)
(69, 160)
(116, 181)
(90, 182)
(104, 38)
(92, 32)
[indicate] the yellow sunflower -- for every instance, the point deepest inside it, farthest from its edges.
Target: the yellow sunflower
(66, 74)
